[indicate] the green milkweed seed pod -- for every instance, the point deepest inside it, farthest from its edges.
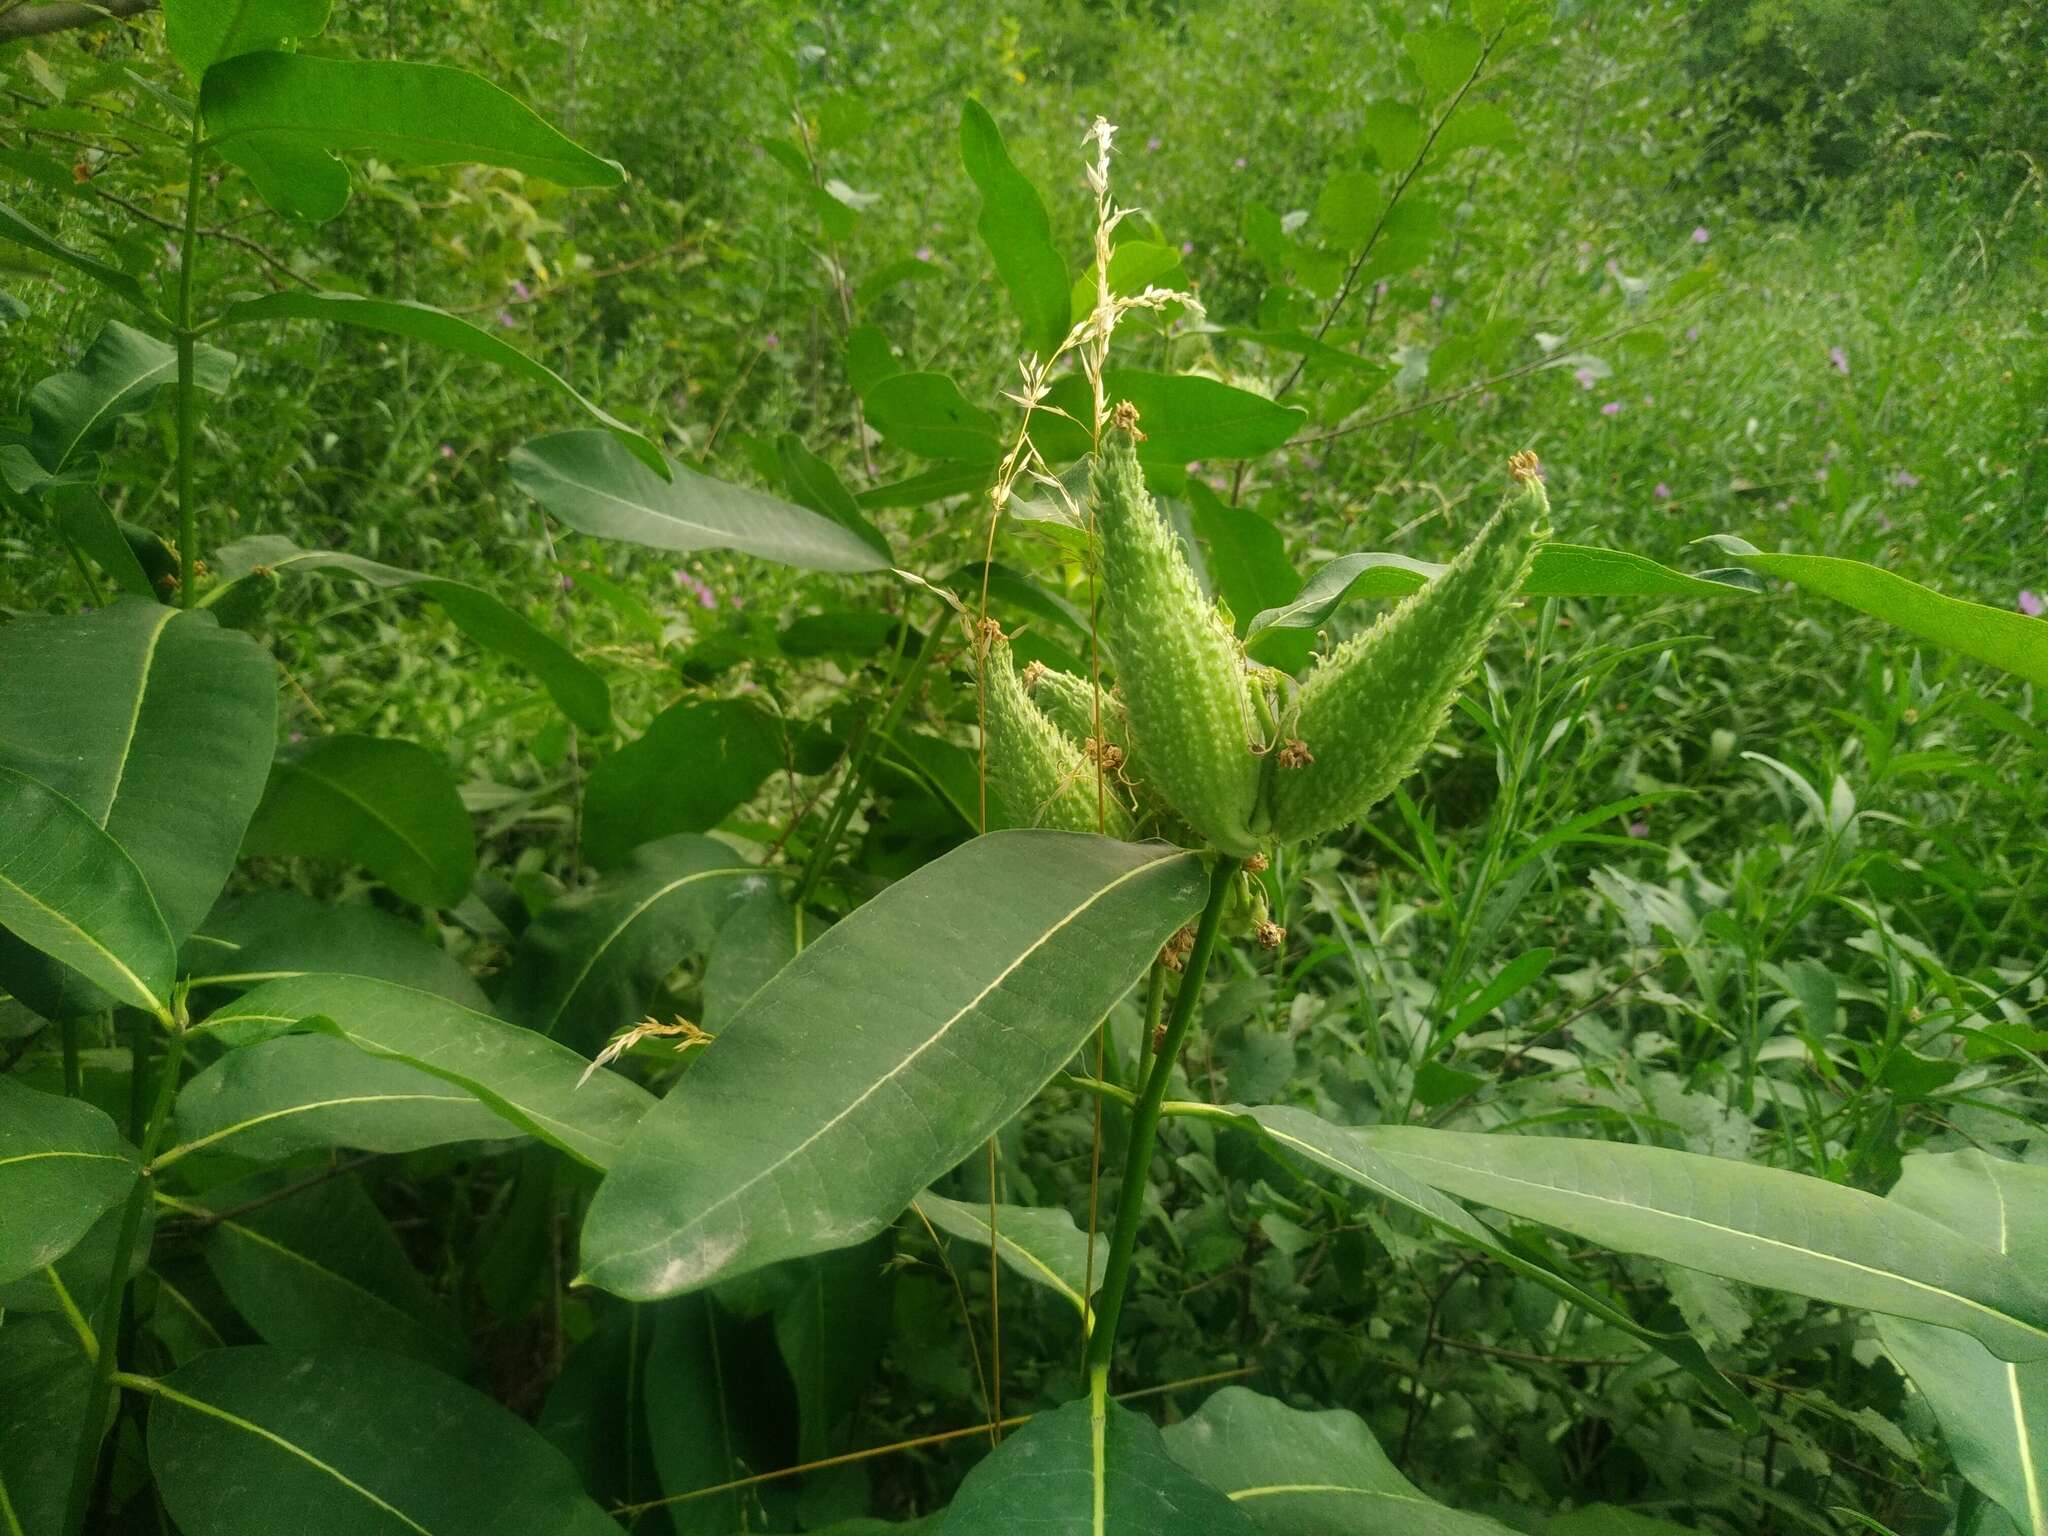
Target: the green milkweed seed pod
(1041, 776)
(1366, 716)
(1069, 703)
(1178, 666)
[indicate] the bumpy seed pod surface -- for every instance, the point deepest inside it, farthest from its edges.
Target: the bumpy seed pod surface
(1069, 703)
(1366, 716)
(1040, 775)
(1178, 666)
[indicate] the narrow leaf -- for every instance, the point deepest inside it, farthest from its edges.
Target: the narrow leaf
(2004, 638)
(1042, 1245)
(423, 322)
(1014, 226)
(529, 1080)
(352, 1441)
(589, 481)
(18, 229)
(578, 688)
(402, 112)
(1561, 570)
(925, 414)
(1184, 417)
(1763, 1226)
(925, 1020)
(389, 806)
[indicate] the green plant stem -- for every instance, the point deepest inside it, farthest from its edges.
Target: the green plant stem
(188, 405)
(85, 1463)
(1130, 1207)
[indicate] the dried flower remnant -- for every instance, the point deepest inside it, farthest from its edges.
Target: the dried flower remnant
(687, 1036)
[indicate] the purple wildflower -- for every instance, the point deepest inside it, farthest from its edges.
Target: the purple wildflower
(566, 582)
(1840, 359)
(1661, 491)
(1611, 408)
(1587, 377)
(506, 322)
(1639, 829)
(1238, 163)
(447, 451)
(1436, 301)
(1152, 145)
(521, 291)
(1699, 235)
(1187, 247)
(771, 341)
(924, 253)
(1905, 479)
(1692, 333)
(2031, 604)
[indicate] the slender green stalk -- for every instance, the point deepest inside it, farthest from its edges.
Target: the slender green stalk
(1130, 1208)
(85, 1463)
(188, 405)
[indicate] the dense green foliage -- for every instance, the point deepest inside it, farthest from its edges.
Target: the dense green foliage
(524, 1008)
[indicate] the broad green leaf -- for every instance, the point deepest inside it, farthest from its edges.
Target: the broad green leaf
(120, 374)
(1014, 226)
(203, 32)
(297, 1093)
(1762, 1226)
(688, 1405)
(321, 1267)
(1993, 1413)
(1445, 54)
(79, 1278)
(423, 322)
(157, 724)
(2004, 638)
(1043, 1478)
(830, 1325)
(1339, 1150)
(530, 1080)
(86, 521)
(594, 962)
(573, 684)
(1184, 417)
(925, 414)
(924, 1021)
(697, 762)
(1044, 1246)
(44, 1378)
(294, 110)
(67, 890)
(18, 229)
(756, 939)
(62, 1164)
(815, 485)
(260, 936)
(1560, 570)
(965, 478)
(1348, 207)
(1247, 560)
(1134, 266)
(589, 481)
(388, 806)
(353, 1442)
(1308, 1474)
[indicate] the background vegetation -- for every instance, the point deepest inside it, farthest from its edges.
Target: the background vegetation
(1772, 269)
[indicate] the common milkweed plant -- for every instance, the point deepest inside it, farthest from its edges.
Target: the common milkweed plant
(202, 1309)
